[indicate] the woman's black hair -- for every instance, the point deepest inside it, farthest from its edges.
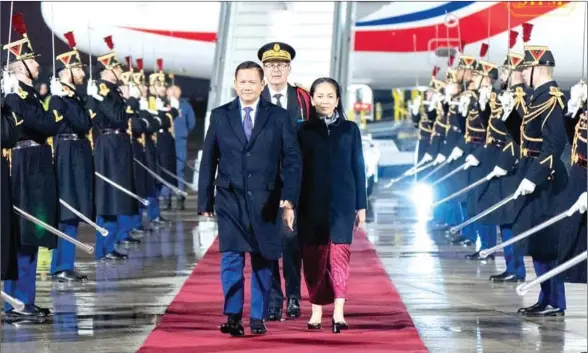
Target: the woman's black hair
(332, 82)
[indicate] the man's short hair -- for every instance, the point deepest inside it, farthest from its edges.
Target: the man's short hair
(246, 65)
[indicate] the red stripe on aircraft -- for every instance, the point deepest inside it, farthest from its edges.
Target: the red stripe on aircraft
(473, 28)
(196, 36)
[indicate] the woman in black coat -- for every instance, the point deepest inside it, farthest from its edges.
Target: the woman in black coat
(332, 200)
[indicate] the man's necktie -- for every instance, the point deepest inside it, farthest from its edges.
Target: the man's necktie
(248, 122)
(277, 96)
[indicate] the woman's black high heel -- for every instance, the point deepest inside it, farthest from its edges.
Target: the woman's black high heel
(311, 326)
(338, 326)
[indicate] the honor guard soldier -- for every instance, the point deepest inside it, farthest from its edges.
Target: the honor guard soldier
(113, 157)
(136, 131)
(166, 146)
(73, 157)
(424, 119)
(151, 156)
(572, 230)
(276, 58)
(542, 175)
(503, 141)
(11, 127)
(34, 188)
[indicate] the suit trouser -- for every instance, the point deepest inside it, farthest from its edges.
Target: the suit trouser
(553, 291)
(64, 255)
(233, 281)
(291, 268)
(25, 288)
(181, 154)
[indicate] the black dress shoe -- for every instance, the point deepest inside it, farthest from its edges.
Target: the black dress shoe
(181, 201)
(115, 255)
(257, 327)
(511, 278)
(160, 222)
(293, 308)
(544, 311)
(499, 277)
(476, 256)
(532, 307)
(233, 327)
(69, 276)
(29, 315)
(274, 314)
(42, 311)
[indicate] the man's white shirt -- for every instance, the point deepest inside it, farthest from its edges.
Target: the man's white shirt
(283, 98)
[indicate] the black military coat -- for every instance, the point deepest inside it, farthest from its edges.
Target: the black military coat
(34, 185)
(113, 157)
(11, 126)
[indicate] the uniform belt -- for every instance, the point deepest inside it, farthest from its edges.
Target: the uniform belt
(530, 153)
(112, 131)
(474, 140)
(67, 137)
(25, 144)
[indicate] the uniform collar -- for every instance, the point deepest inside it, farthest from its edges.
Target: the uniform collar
(544, 88)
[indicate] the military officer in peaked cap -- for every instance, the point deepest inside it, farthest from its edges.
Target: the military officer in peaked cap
(34, 188)
(276, 58)
(73, 157)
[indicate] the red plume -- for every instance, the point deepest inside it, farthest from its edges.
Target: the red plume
(160, 64)
(451, 60)
(436, 70)
(140, 64)
(512, 38)
(109, 42)
(129, 62)
(527, 29)
(462, 44)
(18, 24)
(71, 40)
(483, 49)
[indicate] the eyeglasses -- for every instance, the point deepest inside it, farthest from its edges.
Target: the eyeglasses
(279, 66)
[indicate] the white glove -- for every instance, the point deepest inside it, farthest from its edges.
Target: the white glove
(134, 91)
(92, 90)
(456, 153)
(416, 104)
(577, 96)
(56, 87)
(497, 172)
(484, 97)
(159, 104)
(440, 159)
(471, 161)
(434, 102)
(427, 158)
(9, 83)
(526, 187)
(174, 103)
(507, 102)
(464, 103)
(580, 205)
(143, 104)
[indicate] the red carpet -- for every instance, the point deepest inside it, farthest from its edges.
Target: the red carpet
(377, 317)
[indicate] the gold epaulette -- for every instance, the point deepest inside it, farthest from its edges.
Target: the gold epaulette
(519, 99)
(301, 86)
(556, 92)
(50, 143)
(7, 153)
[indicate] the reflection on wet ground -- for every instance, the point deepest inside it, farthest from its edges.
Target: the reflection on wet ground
(452, 303)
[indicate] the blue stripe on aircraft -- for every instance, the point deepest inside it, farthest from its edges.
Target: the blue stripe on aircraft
(418, 16)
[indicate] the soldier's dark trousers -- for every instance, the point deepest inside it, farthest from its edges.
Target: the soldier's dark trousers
(64, 255)
(515, 263)
(291, 268)
(25, 287)
(105, 244)
(553, 291)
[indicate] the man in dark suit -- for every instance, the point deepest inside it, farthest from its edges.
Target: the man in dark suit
(251, 143)
(276, 58)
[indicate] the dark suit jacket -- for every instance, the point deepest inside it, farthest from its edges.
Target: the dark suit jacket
(298, 103)
(248, 184)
